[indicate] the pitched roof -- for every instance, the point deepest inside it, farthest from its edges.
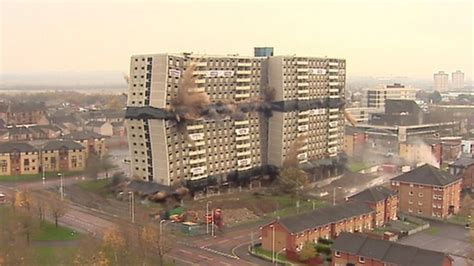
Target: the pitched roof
(428, 175)
(464, 161)
(58, 144)
(387, 251)
(299, 223)
(26, 107)
(95, 123)
(18, 146)
(147, 188)
(83, 135)
(373, 194)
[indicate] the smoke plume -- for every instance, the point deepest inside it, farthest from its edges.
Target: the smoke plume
(291, 159)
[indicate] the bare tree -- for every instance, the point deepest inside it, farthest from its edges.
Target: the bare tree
(114, 242)
(58, 208)
(156, 243)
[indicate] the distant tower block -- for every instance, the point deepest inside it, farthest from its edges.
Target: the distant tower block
(263, 51)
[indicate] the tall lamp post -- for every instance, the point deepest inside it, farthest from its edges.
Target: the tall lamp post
(207, 215)
(132, 206)
(42, 167)
(276, 256)
(334, 195)
(61, 187)
(273, 242)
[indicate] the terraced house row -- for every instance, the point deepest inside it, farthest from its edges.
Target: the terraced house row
(307, 105)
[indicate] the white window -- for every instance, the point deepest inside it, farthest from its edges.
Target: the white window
(419, 211)
(420, 186)
(410, 193)
(420, 195)
(410, 210)
(420, 203)
(411, 185)
(410, 202)
(361, 259)
(337, 253)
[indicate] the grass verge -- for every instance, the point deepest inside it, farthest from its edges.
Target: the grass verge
(48, 232)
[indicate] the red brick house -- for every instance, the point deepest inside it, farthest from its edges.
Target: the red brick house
(380, 199)
(292, 232)
(358, 249)
(428, 191)
(464, 167)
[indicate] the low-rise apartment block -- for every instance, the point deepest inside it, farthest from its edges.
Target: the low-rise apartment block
(292, 232)
(359, 249)
(92, 142)
(18, 159)
(63, 155)
(382, 200)
(428, 191)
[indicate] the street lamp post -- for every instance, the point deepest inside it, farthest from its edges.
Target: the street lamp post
(276, 256)
(212, 224)
(42, 167)
(61, 187)
(161, 235)
(334, 195)
(273, 242)
(207, 215)
(132, 206)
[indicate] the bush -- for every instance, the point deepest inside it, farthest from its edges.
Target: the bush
(325, 241)
(320, 248)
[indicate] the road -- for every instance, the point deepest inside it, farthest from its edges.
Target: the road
(227, 248)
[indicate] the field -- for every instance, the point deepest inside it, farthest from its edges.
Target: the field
(35, 177)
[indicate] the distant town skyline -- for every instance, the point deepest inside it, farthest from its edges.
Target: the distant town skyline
(377, 38)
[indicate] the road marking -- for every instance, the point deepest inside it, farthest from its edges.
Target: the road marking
(185, 251)
(219, 253)
(222, 241)
(205, 257)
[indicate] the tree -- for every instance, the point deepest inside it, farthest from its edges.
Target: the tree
(291, 180)
(435, 97)
(156, 243)
(467, 205)
(57, 207)
(39, 204)
(113, 242)
(308, 251)
(106, 165)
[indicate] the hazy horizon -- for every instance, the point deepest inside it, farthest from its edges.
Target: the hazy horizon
(377, 38)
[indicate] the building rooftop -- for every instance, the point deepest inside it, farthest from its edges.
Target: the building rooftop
(59, 144)
(9, 147)
(465, 160)
(428, 175)
(386, 251)
(95, 123)
(373, 194)
(83, 135)
(299, 223)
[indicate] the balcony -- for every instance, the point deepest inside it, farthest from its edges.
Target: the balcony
(200, 81)
(303, 128)
(302, 70)
(199, 72)
(332, 149)
(303, 120)
(240, 123)
(303, 97)
(242, 138)
(302, 63)
(333, 77)
(333, 129)
(242, 131)
(243, 146)
(242, 88)
(303, 113)
(333, 117)
(196, 144)
(244, 72)
(243, 168)
(333, 123)
(303, 91)
(198, 170)
(242, 80)
(196, 136)
(244, 64)
(334, 90)
(302, 77)
(201, 89)
(243, 153)
(242, 95)
(201, 64)
(333, 70)
(302, 156)
(198, 160)
(333, 136)
(333, 63)
(334, 96)
(243, 162)
(334, 84)
(198, 152)
(194, 127)
(303, 84)
(334, 110)
(332, 143)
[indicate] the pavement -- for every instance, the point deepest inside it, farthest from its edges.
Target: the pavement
(443, 237)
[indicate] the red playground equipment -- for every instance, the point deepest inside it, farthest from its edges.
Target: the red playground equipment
(215, 217)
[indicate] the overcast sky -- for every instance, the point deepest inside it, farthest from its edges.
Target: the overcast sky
(379, 38)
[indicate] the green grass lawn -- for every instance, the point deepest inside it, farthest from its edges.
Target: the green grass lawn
(458, 219)
(53, 255)
(93, 185)
(267, 254)
(35, 177)
(48, 232)
(433, 230)
(356, 166)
